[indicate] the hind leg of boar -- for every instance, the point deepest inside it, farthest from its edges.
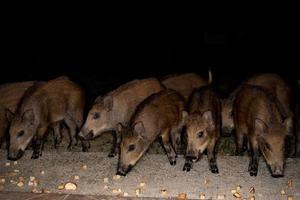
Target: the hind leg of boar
(116, 144)
(165, 138)
(212, 158)
(239, 143)
(72, 131)
(254, 153)
(176, 139)
(57, 135)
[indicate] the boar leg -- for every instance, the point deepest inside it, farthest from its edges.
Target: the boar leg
(176, 139)
(57, 134)
(72, 131)
(212, 158)
(37, 142)
(187, 165)
(239, 143)
(254, 153)
(165, 138)
(116, 144)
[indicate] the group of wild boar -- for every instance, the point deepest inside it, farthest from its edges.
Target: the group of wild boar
(141, 111)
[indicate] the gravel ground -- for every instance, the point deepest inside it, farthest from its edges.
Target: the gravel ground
(154, 171)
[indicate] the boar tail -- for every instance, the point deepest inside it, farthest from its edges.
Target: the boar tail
(210, 78)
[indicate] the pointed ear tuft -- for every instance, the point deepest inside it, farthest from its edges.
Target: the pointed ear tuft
(139, 129)
(9, 115)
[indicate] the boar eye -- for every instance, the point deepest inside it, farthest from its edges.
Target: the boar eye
(131, 147)
(96, 115)
(20, 134)
(200, 134)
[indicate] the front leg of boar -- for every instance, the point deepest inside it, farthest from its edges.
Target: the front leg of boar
(187, 165)
(37, 142)
(212, 158)
(57, 134)
(165, 139)
(116, 144)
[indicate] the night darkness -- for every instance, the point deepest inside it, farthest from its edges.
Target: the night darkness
(101, 62)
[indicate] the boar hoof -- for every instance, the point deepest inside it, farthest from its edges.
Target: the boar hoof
(253, 170)
(173, 162)
(214, 169)
(35, 155)
(111, 154)
(187, 167)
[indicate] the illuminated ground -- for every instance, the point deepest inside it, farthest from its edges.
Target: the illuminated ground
(154, 170)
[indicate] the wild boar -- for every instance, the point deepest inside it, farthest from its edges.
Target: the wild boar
(117, 107)
(160, 115)
(185, 83)
(271, 82)
(258, 117)
(42, 106)
(11, 94)
(202, 127)
(297, 124)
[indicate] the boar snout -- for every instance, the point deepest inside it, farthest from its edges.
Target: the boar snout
(191, 155)
(277, 171)
(15, 155)
(123, 170)
(88, 136)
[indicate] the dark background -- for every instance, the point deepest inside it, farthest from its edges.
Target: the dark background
(101, 61)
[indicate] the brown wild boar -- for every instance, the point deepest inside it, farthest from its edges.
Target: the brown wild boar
(259, 118)
(42, 106)
(297, 124)
(185, 83)
(271, 82)
(117, 107)
(11, 94)
(202, 127)
(160, 115)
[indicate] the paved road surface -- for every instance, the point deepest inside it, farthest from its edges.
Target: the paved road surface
(153, 170)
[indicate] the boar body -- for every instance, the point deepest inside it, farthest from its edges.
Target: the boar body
(274, 84)
(257, 117)
(43, 106)
(202, 127)
(185, 83)
(159, 116)
(117, 107)
(11, 95)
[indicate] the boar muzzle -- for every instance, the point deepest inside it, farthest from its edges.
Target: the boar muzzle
(88, 136)
(123, 170)
(15, 155)
(276, 171)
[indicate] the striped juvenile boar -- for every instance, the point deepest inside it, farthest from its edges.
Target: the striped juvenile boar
(271, 82)
(160, 115)
(185, 83)
(258, 117)
(42, 106)
(11, 94)
(202, 127)
(117, 107)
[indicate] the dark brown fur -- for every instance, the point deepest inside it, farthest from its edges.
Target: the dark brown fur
(185, 83)
(257, 117)
(43, 106)
(160, 115)
(202, 126)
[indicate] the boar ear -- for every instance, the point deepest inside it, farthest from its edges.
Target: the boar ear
(28, 115)
(288, 125)
(208, 117)
(98, 99)
(108, 103)
(119, 127)
(260, 126)
(9, 115)
(139, 129)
